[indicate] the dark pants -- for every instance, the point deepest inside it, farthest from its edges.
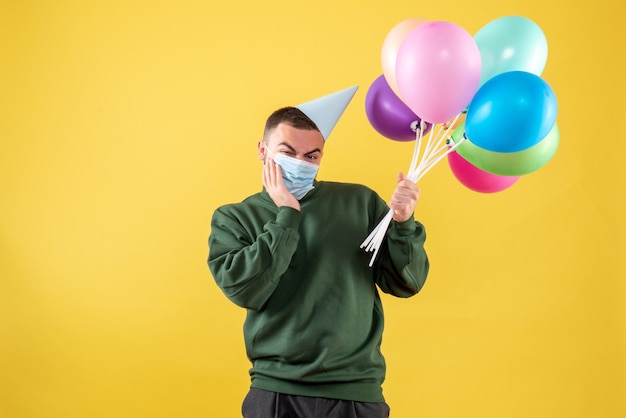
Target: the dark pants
(263, 404)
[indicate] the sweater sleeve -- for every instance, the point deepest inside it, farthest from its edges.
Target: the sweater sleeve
(403, 264)
(248, 268)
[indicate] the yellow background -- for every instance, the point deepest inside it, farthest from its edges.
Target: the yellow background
(124, 124)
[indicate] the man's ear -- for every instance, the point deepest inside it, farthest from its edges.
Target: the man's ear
(261, 150)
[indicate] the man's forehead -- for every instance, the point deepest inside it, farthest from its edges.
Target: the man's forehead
(295, 138)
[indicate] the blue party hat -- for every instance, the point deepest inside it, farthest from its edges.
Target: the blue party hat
(327, 110)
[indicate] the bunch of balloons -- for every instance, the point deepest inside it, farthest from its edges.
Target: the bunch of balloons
(486, 89)
(431, 71)
(510, 126)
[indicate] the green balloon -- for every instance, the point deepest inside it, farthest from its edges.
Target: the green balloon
(507, 163)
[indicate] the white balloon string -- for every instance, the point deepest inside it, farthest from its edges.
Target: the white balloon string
(425, 157)
(369, 238)
(380, 235)
(418, 143)
(439, 138)
(426, 149)
(432, 142)
(370, 241)
(439, 158)
(434, 147)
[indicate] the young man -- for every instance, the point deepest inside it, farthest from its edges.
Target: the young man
(291, 256)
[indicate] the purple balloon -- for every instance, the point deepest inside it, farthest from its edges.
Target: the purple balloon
(388, 114)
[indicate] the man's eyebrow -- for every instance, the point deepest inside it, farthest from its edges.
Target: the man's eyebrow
(313, 151)
(292, 149)
(284, 144)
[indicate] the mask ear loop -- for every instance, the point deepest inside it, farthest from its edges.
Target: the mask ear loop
(267, 150)
(263, 150)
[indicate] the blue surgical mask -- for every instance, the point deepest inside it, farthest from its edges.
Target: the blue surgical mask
(298, 175)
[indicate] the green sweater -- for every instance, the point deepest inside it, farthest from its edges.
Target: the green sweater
(314, 316)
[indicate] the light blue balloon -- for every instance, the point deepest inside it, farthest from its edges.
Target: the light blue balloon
(511, 43)
(511, 112)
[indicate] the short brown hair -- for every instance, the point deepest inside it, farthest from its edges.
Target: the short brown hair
(291, 116)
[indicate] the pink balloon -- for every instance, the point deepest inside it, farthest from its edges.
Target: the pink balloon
(476, 179)
(438, 70)
(391, 45)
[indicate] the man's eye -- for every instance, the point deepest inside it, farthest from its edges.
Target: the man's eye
(312, 157)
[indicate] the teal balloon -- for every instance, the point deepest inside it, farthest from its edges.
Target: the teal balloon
(508, 163)
(511, 43)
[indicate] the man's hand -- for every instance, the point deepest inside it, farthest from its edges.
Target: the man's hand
(275, 187)
(404, 199)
